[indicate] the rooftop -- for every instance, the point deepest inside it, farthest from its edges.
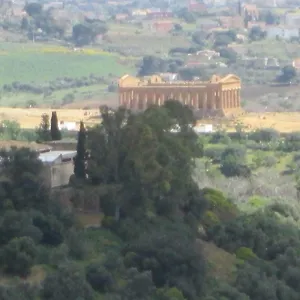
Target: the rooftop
(22, 144)
(158, 81)
(50, 157)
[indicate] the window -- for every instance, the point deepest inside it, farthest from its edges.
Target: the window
(66, 159)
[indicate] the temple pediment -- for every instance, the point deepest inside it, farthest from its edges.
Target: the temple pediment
(128, 80)
(230, 78)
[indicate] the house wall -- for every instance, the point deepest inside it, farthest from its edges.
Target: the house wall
(63, 146)
(284, 33)
(292, 20)
(61, 173)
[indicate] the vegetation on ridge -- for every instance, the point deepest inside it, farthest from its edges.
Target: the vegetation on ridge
(162, 237)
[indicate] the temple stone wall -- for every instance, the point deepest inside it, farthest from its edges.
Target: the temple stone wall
(219, 96)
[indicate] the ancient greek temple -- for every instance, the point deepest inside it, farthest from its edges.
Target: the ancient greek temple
(219, 95)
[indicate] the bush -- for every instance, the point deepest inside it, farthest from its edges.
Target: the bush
(264, 135)
(17, 257)
(99, 277)
(245, 253)
(77, 244)
(67, 283)
(219, 208)
(108, 222)
(210, 219)
(214, 153)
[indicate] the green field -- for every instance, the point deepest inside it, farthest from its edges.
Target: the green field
(37, 64)
(41, 63)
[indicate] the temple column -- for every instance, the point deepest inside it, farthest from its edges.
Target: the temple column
(200, 101)
(213, 99)
(221, 99)
(145, 103)
(180, 98)
(225, 99)
(196, 104)
(218, 99)
(120, 99)
(162, 99)
(125, 99)
(228, 99)
(204, 103)
(238, 98)
(235, 99)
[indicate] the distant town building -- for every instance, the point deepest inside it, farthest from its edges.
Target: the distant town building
(159, 15)
(292, 19)
(296, 63)
(232, 22)
(162, 25)
(283, 32)
(196, 6)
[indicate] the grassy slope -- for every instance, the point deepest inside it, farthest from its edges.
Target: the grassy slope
(38, 64)
(41, 63)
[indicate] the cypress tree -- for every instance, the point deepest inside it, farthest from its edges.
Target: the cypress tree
(55, 132)
(79, 160)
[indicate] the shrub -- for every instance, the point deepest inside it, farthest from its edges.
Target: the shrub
(214, 153)
(245, 253)
(67, 283)
(210, 219)
(99, 278)
(17, 257)
(129, 259)
(257, 201)
(219, 208)
(108, 222)
(264, 135)
(270, 161)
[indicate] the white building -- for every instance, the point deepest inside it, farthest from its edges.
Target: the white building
(282, 32)
(59, 167)
(70, 126)
(203, 128)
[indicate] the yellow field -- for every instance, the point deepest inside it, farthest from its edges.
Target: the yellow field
(31, 118)
(282, 122)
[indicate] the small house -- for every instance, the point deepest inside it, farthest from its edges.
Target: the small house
(59, 166)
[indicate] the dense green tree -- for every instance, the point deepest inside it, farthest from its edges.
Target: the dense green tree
(10, 130)
(17, 257)
(17, 224)
(80, 158)
(54, 130)
(85, 33)
(22, 183)
(33, 9)
(139, 285)
(21, 291)
(170, 254)
(67, 283)
(43, 131)
(99, 277)
(287, 74)
(138, 158)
